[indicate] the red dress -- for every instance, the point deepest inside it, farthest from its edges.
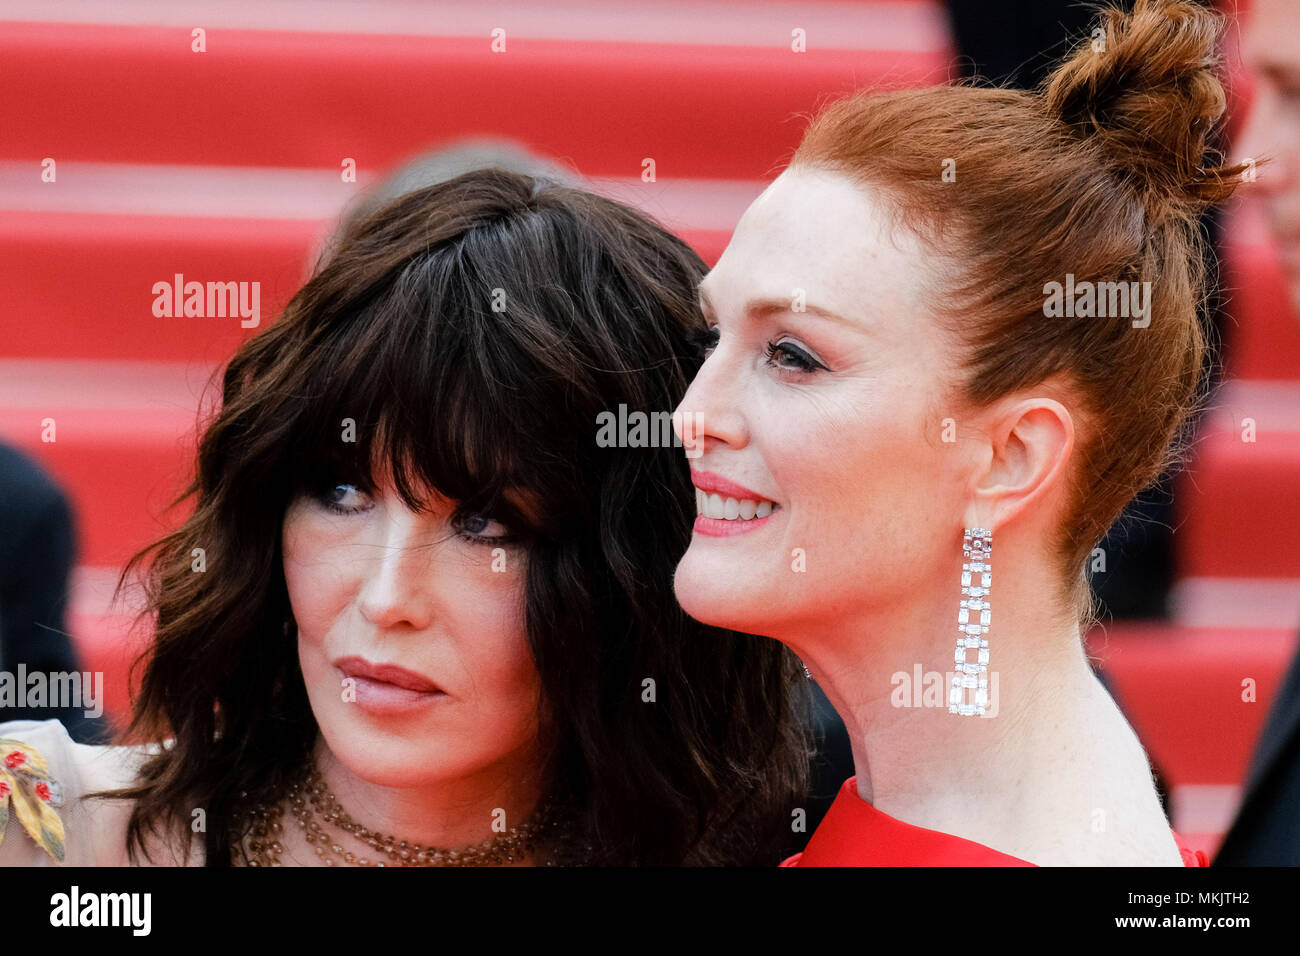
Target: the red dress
(854, 833)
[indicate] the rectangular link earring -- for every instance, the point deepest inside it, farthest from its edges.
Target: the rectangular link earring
(977, 548)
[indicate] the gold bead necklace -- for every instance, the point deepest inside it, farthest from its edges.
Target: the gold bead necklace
(309, 798)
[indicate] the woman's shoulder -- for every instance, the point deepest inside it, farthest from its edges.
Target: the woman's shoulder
(44, 778)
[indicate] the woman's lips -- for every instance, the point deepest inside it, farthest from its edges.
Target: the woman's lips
(726, 508)
(722, 528)
(387, 688)
(712, 483)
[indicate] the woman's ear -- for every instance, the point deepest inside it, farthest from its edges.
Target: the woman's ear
(1030, 441)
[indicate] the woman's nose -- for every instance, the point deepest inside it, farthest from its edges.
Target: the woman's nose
(398, 587)
(709, 413)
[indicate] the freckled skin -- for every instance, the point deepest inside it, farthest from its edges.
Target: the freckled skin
(854, 454)
(853, 426)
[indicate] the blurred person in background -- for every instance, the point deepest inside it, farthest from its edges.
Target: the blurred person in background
(37, 553)
(1266, 831)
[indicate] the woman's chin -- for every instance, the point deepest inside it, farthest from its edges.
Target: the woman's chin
(714, 599)
(383, 762)
(396, 770)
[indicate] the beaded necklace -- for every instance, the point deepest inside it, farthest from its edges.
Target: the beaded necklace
(309, 799)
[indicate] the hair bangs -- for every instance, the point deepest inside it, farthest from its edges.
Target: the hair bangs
(430, 393)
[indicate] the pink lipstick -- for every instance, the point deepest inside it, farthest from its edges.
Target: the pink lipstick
(387, 689)
(727, 508)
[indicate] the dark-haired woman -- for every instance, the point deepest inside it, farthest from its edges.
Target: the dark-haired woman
(433, 622)
(896, 401)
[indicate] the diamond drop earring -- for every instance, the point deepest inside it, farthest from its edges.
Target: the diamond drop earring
(977, 547)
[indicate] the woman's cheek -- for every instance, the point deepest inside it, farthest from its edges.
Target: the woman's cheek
(497, 656)
(319, 557)
(495, 643)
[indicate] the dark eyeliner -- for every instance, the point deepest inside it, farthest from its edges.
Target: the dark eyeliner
(323, 497)
(803, 362)
(703, 339)
(458, 524)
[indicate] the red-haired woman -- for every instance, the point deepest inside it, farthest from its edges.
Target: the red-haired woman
(959, 333)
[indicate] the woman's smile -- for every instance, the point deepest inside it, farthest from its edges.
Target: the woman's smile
(727, 508)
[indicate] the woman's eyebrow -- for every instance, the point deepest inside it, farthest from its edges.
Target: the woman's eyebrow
(764, 306)
(1285, 76)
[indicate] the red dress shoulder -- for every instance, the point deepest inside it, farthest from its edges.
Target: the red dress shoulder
(854, 833)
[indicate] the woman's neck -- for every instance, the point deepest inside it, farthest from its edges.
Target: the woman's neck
(934, 769)
(446, 814)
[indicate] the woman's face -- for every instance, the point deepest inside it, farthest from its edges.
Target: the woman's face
(825, 394)
(411, 638)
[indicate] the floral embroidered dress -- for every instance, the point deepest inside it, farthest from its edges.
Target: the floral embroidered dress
(26, 785)
(44, 818)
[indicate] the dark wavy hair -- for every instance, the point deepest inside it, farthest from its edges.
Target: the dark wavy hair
(473, 331)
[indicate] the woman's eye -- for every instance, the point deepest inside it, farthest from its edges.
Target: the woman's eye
(344, 499)
(478, 527)
(704, 340)
(788, 356)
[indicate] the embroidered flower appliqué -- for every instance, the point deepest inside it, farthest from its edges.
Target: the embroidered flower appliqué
(26, 784)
